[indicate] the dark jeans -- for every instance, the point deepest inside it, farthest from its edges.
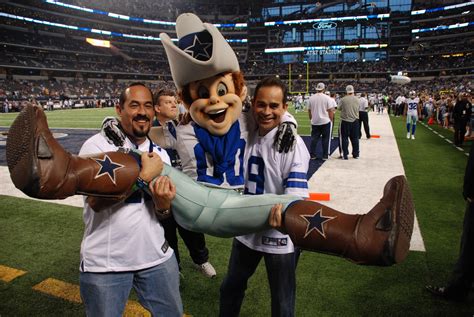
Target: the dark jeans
(195, 242)
(459, 131)
(463, 273)
(242, 264)
(399, 109)
(350, 130)
(364, 119)
(318, 131)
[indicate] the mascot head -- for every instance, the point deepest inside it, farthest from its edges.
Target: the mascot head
(206, 72)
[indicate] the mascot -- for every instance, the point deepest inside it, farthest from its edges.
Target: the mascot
(206, 73)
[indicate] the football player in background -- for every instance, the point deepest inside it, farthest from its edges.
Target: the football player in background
(412, 111)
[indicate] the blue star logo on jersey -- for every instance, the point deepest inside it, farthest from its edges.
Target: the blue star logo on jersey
(316, 222)
(107, 167)
(199, 49)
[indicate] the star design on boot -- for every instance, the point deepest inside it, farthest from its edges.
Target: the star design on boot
(199, 49)
(107, 167)
(316, 222)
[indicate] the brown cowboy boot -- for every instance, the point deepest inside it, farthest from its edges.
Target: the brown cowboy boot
(41, 168)
(380, 237)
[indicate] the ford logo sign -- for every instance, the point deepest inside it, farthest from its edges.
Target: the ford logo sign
(325, 25)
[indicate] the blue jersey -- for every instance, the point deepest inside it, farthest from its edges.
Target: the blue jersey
(211, 160)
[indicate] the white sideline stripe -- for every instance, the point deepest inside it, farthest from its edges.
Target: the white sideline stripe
(357, 185)
(9, 189)
(62, 128)
(445, 138)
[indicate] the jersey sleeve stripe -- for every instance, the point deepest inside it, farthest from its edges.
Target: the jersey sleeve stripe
(295, 184)
(297, 175)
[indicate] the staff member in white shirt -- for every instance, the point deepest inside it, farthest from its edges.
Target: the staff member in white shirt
(363, 115)
(321, 113)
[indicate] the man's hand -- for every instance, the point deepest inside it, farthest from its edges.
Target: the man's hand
(163, 192)
(285, 138)
(275, 218)
(112, 131)
(152, 165)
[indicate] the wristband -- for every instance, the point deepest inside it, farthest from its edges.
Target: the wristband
(163, 212)
(140, 183)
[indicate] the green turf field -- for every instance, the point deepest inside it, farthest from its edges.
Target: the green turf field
(44, 240)
(76, 118)
(92, 118)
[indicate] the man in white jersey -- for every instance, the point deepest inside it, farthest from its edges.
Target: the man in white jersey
(124, 244)
(267, 171)
(321, 113)
(412, 111)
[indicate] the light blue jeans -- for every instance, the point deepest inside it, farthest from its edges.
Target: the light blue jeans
(105, 294)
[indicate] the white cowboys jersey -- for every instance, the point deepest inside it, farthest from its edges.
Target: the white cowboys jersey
(268, 171)
(126, 236)
(412, 104)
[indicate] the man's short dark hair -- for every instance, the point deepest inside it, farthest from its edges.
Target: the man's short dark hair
(163, 92)
(270, 82)
(123, 95)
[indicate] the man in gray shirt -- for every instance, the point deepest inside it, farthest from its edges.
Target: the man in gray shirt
(349, 123)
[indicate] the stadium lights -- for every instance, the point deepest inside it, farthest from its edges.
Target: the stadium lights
(443, 27)
(96, 31)
(327, 20)
(100, 43)
(322, 48)
(454, 6)
(135, 19)
(453, 55)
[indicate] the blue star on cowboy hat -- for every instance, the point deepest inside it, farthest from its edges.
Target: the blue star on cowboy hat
(199, 49)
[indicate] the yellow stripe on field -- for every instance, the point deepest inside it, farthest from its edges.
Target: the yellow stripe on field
(8, 274)
(134, 309)
(70, 292)
(59, 289)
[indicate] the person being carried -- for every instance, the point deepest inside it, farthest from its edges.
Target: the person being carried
(166, 113)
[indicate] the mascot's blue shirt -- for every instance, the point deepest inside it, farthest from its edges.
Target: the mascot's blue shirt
(226, 152)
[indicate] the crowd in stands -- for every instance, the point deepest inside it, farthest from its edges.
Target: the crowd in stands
(15, 56)
(42, 90)
(62, 89)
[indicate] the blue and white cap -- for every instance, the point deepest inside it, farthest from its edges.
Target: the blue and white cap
(202, 51)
